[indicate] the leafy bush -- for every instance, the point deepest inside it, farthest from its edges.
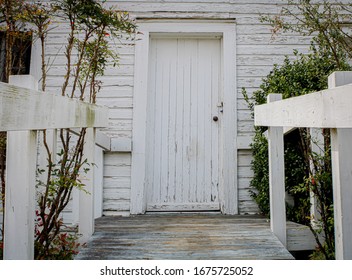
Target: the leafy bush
(64, 246)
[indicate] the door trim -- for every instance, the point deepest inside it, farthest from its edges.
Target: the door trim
(228, 189)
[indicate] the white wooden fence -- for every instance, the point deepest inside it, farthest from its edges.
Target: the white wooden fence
(331, 109)
(23, 111)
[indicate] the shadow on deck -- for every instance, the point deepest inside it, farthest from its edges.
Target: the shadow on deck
(187, 237)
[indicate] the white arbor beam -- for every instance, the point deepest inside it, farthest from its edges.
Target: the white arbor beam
(277, 178)
(341, 155)
(324, 109)
(26, 109)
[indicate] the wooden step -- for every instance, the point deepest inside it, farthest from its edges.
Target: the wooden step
(184, 237)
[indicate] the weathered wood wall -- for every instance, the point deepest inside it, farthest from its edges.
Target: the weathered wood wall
(257, 52)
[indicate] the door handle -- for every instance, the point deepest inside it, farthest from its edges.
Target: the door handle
(221, 107)
(215, 118)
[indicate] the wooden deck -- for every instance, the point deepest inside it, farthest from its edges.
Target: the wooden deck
(184, 237)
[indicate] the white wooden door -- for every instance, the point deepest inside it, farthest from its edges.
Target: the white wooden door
(182, 136)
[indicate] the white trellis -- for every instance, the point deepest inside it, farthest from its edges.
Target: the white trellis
(23, 111)
(325, 109)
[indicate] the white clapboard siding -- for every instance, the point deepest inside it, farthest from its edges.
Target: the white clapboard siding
(117, 181)
(214, 6)
(264, 60)
(246, 205)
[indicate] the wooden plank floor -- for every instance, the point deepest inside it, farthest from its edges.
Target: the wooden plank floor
(183, 236)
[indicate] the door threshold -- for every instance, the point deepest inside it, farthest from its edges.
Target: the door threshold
(183, 212)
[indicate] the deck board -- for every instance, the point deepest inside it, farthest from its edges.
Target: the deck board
(184, 237)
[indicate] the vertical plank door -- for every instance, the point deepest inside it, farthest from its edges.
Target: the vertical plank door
(183, 137)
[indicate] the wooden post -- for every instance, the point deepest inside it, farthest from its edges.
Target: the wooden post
(317, 147)
(341, 155)
(98, 182)
(138, 203)
(20, 188)
(86, 199)
(277, 178)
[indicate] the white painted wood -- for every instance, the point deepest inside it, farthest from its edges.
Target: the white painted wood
(342, 177)
(288, 129)
(181, 28)
(121, 144)
(20, 195)
(35, 64)
(100, 144)
(277, 178)
(86, 197)
(103, 140)
(331, 102)
(117, 182)
(215, 109)
(98, 182)
(199, 6)
(317, 148)
(21, 202)
(183, 140)
(339, 78)
(229, 125)
(118, 144)
(245, 173)
(341, 157)
(184, 207)
(24, 109)
(138, 201)
(244, 142)
(21, 159)
(324, 109)
(176, 121)
(300, 238)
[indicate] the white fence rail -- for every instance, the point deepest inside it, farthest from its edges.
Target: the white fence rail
(23, 111)
(332, 109)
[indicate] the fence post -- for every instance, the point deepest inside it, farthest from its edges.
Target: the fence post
(86, 199)
(317, 147)
(277, 178)
(98, 182)
(341, 156)
(20, 187)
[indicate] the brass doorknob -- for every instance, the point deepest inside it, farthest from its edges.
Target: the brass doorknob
(215, 118)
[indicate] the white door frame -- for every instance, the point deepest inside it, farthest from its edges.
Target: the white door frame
(228, 190)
